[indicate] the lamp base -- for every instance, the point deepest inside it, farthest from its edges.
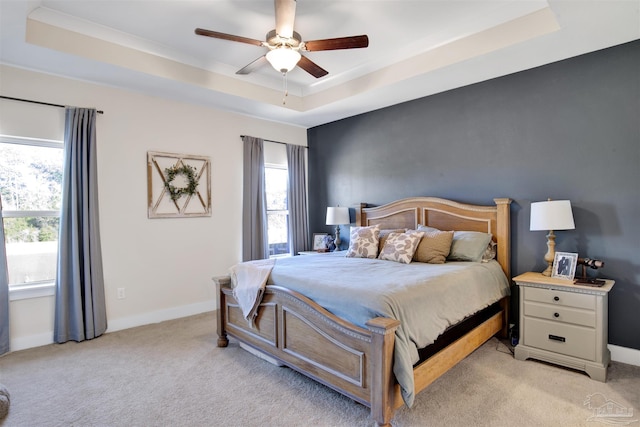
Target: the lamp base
(337, 241)
(551, 253)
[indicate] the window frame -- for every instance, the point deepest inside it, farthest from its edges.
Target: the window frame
(45, 287)
(287, 212)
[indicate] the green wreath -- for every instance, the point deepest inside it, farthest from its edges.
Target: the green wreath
(176, 192)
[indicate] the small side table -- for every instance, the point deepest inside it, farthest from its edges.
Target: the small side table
(564, 323)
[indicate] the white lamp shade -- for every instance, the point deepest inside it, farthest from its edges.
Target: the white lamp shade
(283, 59)
(551, 215)
(337, 216)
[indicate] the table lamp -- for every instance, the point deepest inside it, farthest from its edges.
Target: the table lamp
(551, 215)
(337, 216)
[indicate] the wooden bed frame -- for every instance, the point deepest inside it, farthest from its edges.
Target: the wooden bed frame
(355, 361)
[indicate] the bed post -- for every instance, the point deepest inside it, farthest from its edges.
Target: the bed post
(223, 281)
(381, 369)
(503, 238)
(503, 228)
(359, 209)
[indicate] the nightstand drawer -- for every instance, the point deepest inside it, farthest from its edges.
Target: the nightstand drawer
(552, 296)
(560, 338)
(560, 314)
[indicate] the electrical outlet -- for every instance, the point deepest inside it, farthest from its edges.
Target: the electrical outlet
(121, 293)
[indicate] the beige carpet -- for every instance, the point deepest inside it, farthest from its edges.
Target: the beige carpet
(172, 374)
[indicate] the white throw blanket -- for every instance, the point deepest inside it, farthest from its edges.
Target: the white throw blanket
(249, 280)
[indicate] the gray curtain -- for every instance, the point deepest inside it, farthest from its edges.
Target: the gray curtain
(80, 311)
(255, 243)
(4, 292)
(297, 199)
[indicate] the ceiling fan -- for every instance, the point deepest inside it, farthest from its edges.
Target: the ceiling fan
(285, 45)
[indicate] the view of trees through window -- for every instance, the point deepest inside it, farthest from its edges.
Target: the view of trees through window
(276, 182)
(31, 192)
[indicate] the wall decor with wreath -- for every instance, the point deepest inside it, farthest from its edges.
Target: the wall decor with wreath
(178, 185)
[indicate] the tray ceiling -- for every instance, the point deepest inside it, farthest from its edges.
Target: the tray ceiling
(416, 48)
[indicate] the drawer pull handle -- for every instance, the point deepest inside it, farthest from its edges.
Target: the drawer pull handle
(556, 314)
(557, 338)
(556, 298)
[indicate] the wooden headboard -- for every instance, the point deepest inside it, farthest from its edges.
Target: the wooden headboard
(445, 214)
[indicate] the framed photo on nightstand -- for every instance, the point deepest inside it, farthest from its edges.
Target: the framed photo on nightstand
(564, 265)
(318, 241)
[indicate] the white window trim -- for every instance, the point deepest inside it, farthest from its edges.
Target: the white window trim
(44, 289)
(22, 140)
(40, 289)
(28, 214)
(279, 211)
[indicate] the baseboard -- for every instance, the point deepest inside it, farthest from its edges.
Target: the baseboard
(36, 340)
(46, 338)
(160, 316)
(626, 355)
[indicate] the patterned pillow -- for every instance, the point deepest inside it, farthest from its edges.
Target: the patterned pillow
(400, 247)
(363, 242)
(385, 233)
(434, 247)
(490, 252)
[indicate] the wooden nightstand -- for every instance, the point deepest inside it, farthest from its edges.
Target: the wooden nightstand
(564, 323)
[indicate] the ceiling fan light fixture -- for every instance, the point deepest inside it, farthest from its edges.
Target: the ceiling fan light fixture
(283, 58)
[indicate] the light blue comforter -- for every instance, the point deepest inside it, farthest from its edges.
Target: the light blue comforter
(426, 298)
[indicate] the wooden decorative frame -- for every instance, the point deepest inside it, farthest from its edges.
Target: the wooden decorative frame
(355, 361)
(159, 202)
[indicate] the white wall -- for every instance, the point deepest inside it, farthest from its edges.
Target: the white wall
(165, 265)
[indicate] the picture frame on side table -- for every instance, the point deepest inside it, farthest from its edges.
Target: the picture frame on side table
(318, 241)
(564, 265)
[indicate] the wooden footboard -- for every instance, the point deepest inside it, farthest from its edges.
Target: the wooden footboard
(296, 331)
(354, 361)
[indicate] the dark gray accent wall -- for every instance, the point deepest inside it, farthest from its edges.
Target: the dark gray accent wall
(567, 130)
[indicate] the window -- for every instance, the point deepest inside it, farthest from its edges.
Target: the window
(30, 196)
(276, 180)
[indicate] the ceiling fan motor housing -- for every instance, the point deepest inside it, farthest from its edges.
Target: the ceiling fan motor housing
(274, 40)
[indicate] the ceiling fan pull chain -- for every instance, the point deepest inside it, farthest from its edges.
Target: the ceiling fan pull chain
(286, 91)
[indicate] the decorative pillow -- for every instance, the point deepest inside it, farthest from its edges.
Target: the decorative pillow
(490, 252)
(434, 246)
(426, 228)
(400, 247)
(385, 233)
(468, 246)
(363, 242)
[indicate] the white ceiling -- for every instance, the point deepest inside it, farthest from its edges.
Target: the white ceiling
(416, 48)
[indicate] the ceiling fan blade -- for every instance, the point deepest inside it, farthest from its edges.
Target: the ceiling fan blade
(285, 16)
(253, 65)
(230, 37)
(312, 68)
(352, 42)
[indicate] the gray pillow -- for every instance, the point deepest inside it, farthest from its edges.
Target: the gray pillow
(469, 246)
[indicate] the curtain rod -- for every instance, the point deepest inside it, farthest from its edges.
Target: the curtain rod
(275, 142)
(40, 102)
